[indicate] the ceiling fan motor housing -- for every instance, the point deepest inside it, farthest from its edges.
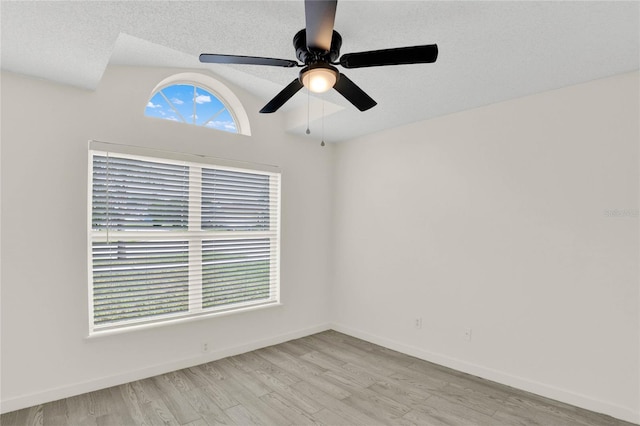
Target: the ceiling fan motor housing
(308, 55)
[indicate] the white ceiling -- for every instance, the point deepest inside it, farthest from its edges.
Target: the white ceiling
(489, 51)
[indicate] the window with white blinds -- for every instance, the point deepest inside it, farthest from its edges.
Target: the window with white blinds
(173, 239)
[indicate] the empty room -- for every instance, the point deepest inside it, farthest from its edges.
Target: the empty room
(331, 212)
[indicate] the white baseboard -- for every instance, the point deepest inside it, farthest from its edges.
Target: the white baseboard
(548, 391)
(67, 391)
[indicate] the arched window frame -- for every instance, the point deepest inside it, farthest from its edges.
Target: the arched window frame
(216, 88)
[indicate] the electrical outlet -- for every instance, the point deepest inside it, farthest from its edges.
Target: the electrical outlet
(467, 334)
(418, 323)
(205, 347)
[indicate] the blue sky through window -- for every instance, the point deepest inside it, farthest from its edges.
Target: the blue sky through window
(191, 104)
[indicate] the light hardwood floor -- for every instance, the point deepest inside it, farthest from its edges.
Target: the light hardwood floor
(328, 378)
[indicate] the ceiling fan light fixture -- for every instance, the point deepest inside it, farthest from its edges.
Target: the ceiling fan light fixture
(319, 79)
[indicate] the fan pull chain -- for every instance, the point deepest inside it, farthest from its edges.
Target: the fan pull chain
(322, 143)
(308, 107)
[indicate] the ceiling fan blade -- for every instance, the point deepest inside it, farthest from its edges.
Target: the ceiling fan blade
(282, 97)
(320, 15)
(399, 56)
(353, 93)
(213, 58)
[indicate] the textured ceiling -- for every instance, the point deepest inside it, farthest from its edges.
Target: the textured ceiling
(489, 51)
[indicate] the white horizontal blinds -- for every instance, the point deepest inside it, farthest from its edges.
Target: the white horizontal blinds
(134, 194)
(173, 238)
(235, 201)
(236, 271)
(138, 280)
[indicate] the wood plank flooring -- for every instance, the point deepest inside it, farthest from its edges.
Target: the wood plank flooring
(328, 379)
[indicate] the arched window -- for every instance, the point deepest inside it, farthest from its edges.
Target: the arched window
(198, 100)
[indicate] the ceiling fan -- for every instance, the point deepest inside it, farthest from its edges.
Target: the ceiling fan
(318, 48)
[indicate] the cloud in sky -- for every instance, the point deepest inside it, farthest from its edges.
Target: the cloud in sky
(225, 125)
(201, 99)
(177, 101)
(152, 105)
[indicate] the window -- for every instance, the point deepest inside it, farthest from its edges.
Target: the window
(191, 104)
(174, 238)
(198, 99)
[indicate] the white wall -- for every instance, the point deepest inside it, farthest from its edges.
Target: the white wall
(45, 129)
(496, 219)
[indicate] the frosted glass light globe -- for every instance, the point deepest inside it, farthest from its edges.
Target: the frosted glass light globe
(319, 80)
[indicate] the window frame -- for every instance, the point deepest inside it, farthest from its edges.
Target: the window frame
(194, 234)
